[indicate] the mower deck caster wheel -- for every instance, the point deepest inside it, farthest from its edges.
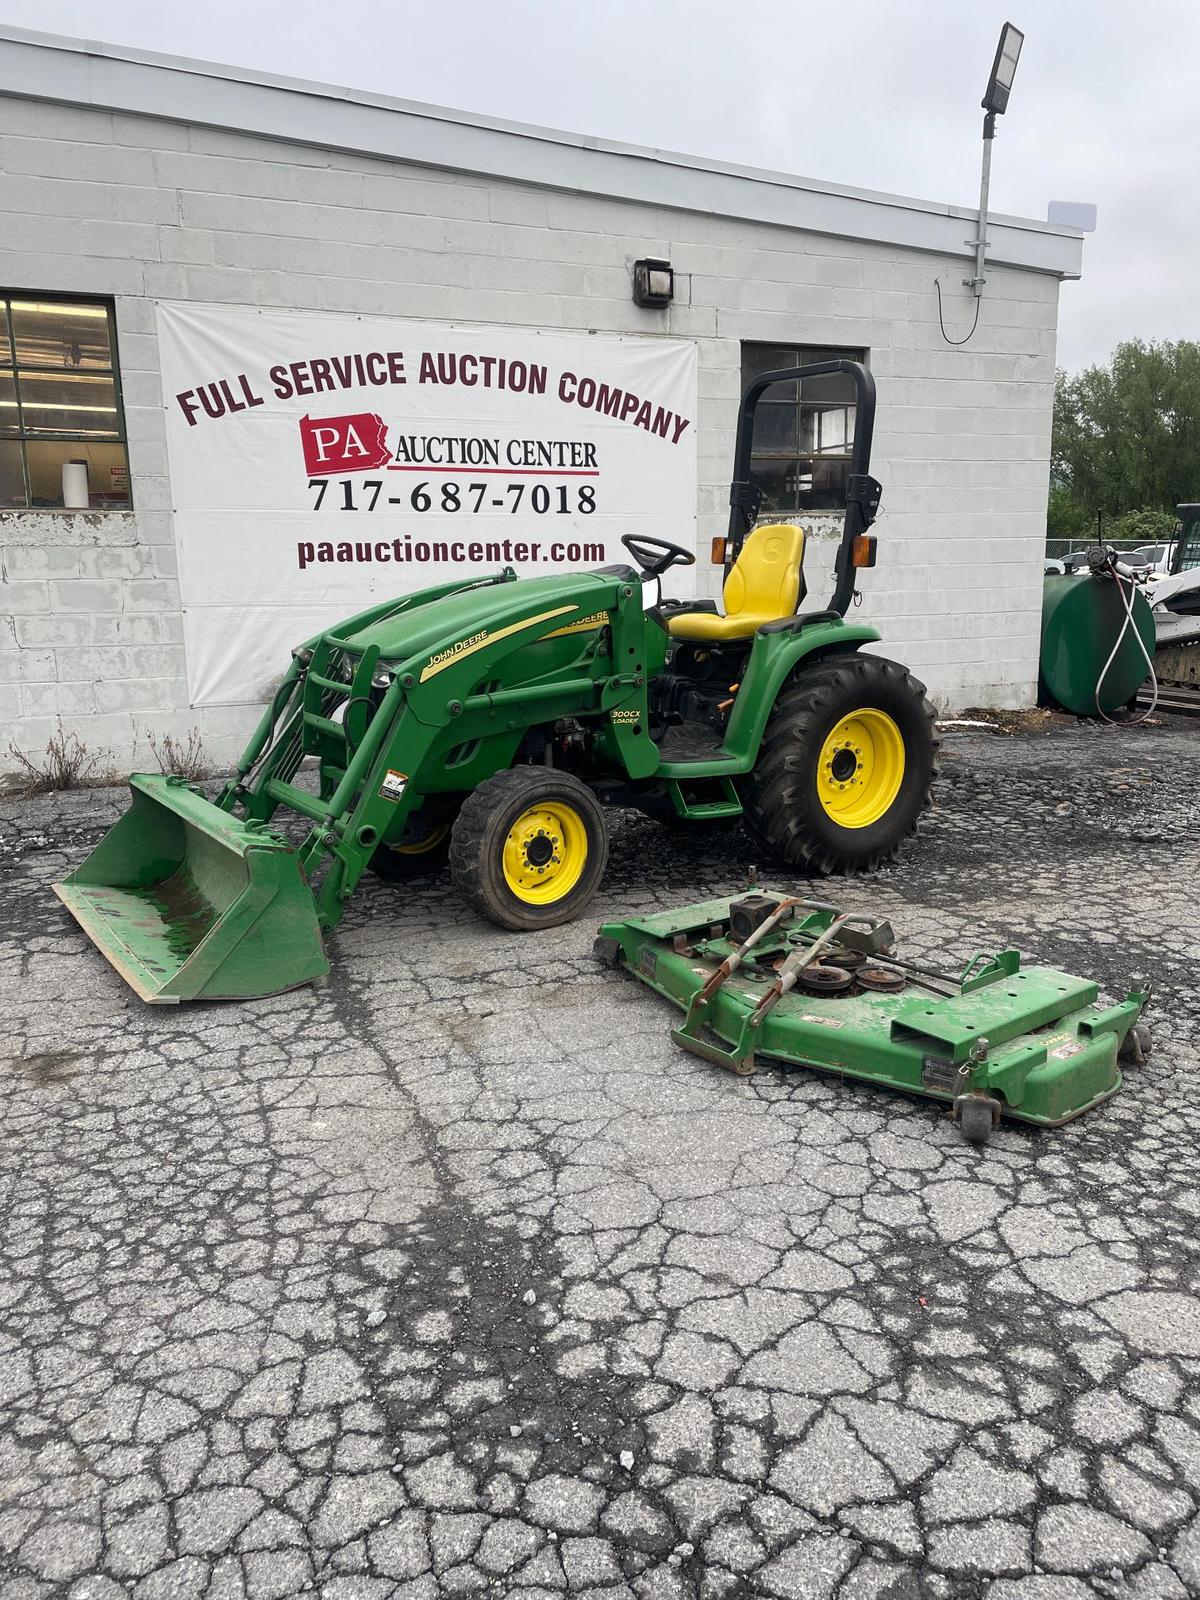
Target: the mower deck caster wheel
(977, 1116)
(1136, 1047)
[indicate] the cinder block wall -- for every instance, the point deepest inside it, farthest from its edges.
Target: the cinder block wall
(141, 209)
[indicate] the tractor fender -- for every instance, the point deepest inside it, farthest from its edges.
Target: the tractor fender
(774, 658)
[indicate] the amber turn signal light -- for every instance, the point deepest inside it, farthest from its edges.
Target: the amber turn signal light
(864, 550)
(718, 552)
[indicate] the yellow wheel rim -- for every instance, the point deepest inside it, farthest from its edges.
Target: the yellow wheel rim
(861, 768)
(545, 853)
(427, 842)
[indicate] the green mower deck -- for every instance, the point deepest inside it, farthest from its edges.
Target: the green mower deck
(802, 982)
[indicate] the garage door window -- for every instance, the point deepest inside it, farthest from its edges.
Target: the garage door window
(802, 432)
(62, 430)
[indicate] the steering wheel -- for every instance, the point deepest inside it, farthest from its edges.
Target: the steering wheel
(643, 550)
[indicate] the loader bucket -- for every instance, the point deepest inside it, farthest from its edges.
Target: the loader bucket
(190, 903)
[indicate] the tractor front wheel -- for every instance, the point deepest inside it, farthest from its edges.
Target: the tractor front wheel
(846, 766)
(529, 848)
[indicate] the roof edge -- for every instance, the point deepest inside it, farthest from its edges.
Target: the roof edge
(119, 78)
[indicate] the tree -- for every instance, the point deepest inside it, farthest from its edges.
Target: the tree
(1147, 525)
(1127, 435)
(1067, 519)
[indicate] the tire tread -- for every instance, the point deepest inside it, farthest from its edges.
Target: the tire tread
(787, 752)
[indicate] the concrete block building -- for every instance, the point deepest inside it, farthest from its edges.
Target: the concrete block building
(129, 181)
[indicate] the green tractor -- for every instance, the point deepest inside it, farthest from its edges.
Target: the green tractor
(489, 721)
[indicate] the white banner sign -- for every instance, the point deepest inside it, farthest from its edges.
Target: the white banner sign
(320, 463)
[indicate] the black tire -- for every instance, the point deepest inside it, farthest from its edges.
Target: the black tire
(484, 824)
(424, 848)
(784, 810)
(976, 1118)
(1136, 1046)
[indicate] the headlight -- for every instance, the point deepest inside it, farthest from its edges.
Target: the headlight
(381, 678)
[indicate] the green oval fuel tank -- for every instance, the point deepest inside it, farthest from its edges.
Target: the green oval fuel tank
(1082, 616)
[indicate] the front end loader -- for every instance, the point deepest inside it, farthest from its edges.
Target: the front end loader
(488, 722)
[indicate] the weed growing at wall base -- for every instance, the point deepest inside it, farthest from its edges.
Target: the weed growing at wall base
(184, 758)
(67, 764)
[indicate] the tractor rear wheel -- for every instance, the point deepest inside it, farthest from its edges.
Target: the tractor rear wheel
(845, 767)
(529, 848)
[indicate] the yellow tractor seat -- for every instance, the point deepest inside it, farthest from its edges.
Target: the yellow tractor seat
(764, 585)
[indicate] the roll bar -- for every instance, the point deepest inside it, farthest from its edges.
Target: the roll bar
(862, 491)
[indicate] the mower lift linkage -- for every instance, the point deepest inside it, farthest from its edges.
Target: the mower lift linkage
(740, 1058)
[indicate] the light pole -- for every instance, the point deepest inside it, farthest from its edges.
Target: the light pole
(995, 103)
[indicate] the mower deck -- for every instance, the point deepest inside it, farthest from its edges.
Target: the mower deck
(801, 982)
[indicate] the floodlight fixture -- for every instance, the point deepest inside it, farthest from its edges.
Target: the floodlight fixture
(995, 103)
(1004, 70)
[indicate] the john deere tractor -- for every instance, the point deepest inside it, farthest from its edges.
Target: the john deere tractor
(489, 721)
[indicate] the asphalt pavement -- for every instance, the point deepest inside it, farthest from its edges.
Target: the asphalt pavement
(453, 1276)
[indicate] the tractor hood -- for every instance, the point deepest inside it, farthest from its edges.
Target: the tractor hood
(454, 623)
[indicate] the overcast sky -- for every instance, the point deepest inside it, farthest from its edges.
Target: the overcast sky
(878, 94)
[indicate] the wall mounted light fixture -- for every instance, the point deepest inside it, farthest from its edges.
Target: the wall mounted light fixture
(653, 283)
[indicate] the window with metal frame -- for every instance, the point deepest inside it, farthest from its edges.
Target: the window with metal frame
(802, 432)
(62, 426)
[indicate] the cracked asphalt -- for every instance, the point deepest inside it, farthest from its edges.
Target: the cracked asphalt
(455, 1277)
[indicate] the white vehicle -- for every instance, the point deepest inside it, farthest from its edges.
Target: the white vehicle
(1156, 556)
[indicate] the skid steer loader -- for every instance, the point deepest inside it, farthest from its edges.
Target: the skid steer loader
(488, 721)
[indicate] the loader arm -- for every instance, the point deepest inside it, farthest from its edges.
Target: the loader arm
(442, 685)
